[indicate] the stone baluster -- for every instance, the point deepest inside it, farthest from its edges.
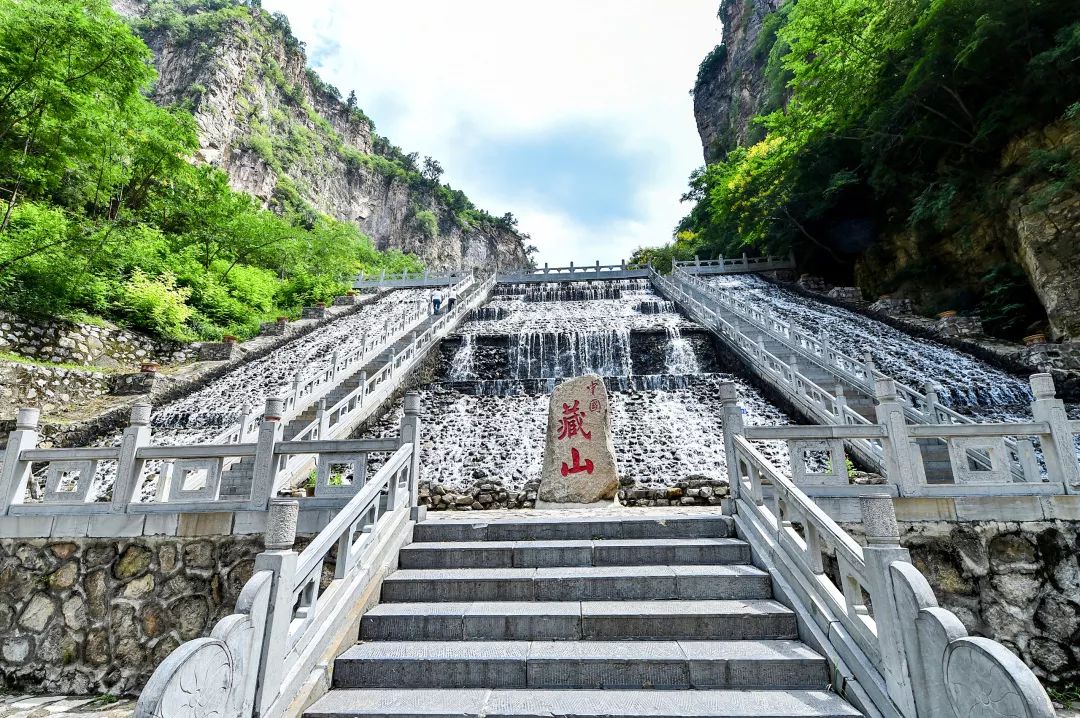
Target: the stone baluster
(869, 369)
(382, 276)
(793, 366)
(840, 404)
(279, 558)
(298, 379)
(264, 473)
(896, 444)
(16, 472)
(881, 550)
(335, 364)
(324, 420)
(930, 411)
(129, 468)
(410, 434)
(245, 419)
(825, 340)
(1058, 445)
(732, 426)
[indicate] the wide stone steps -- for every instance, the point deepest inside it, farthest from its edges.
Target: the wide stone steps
(541, 554)
(580, 664)
(573, 528)
(577, 615)
(531, 703)
(757, 619)
(578, 583)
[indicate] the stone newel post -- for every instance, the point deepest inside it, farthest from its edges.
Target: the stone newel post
(896, 445)
(264, 472)
(129, 468)
(881, 550)
(16, 473)
(732, 426)
(1061, 464)
(410, 434)
(279, 558)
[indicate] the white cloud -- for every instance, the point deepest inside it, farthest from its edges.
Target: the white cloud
(443, 78)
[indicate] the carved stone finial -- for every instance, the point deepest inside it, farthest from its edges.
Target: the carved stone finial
(281, 524)
(27, 418)
(140, 414)
(1042, 386)
(274, 408)
(412, 402)
(879, 519)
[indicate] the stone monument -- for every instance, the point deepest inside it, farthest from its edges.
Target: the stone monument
(579, 459)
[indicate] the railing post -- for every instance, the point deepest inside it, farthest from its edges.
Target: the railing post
(869, 369)
(410, 434)
(129, 468)
(1061, 463)
(264, 473)
(896, 444)
(881, 550)
(16, 473)
(280, 559)
(732, 426)
(930, 412)
(840, 404)
(323, 419)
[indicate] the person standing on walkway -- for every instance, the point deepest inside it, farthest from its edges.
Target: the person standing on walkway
(451, 300)
(436, 300)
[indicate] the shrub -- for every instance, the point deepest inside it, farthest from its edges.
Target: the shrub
(156, 304)
(428, 223)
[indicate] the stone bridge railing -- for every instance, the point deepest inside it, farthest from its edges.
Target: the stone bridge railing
(581, 273)
(294, 613)
(736, 265)
(405, 280)
(164, 490)
(893, 651)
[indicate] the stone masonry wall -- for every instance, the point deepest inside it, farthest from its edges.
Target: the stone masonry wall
(49, 388)
(55, 340)
(1018, 583)
(88, 616)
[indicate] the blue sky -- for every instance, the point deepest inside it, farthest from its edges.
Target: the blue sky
(575, 115)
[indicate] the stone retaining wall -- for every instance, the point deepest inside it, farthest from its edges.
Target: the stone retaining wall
(55, 340)
(1015, 582)
(51, 389)
(86, 616)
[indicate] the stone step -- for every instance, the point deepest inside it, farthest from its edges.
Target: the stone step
(535, 554)
(577, 583)
(529, 703)
(580, 664)
(576, 528)
(760, 619)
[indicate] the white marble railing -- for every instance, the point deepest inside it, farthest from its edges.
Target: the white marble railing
(896, 652)
(183, 479)
(583, 272)
(736, 265)
(293, 615)
(426, 278)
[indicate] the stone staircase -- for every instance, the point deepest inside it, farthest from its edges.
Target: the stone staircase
(582, 616)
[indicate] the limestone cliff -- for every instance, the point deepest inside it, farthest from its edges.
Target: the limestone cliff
(731, 87)
(287, 138)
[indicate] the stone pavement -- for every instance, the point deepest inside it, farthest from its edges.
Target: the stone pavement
(615, 512)
(26, 706)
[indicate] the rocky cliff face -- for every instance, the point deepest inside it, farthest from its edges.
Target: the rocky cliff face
(286, 138)
(732, 90)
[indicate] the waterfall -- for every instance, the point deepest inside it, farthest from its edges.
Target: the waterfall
(681, 358)
(461, 367)
(654, 306)
(570, 353)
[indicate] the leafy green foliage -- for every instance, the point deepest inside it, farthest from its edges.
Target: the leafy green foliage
(894, 113)
(711, 65)
(103, 214)
(428, 223)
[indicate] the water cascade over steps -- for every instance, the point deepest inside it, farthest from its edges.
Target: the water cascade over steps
(485, 414)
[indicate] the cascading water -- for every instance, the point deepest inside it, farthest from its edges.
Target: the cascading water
(485, 417)
(681, 358)
(965, 382)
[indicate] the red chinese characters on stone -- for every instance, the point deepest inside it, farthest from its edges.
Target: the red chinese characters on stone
(578, 467)
(573, 422)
